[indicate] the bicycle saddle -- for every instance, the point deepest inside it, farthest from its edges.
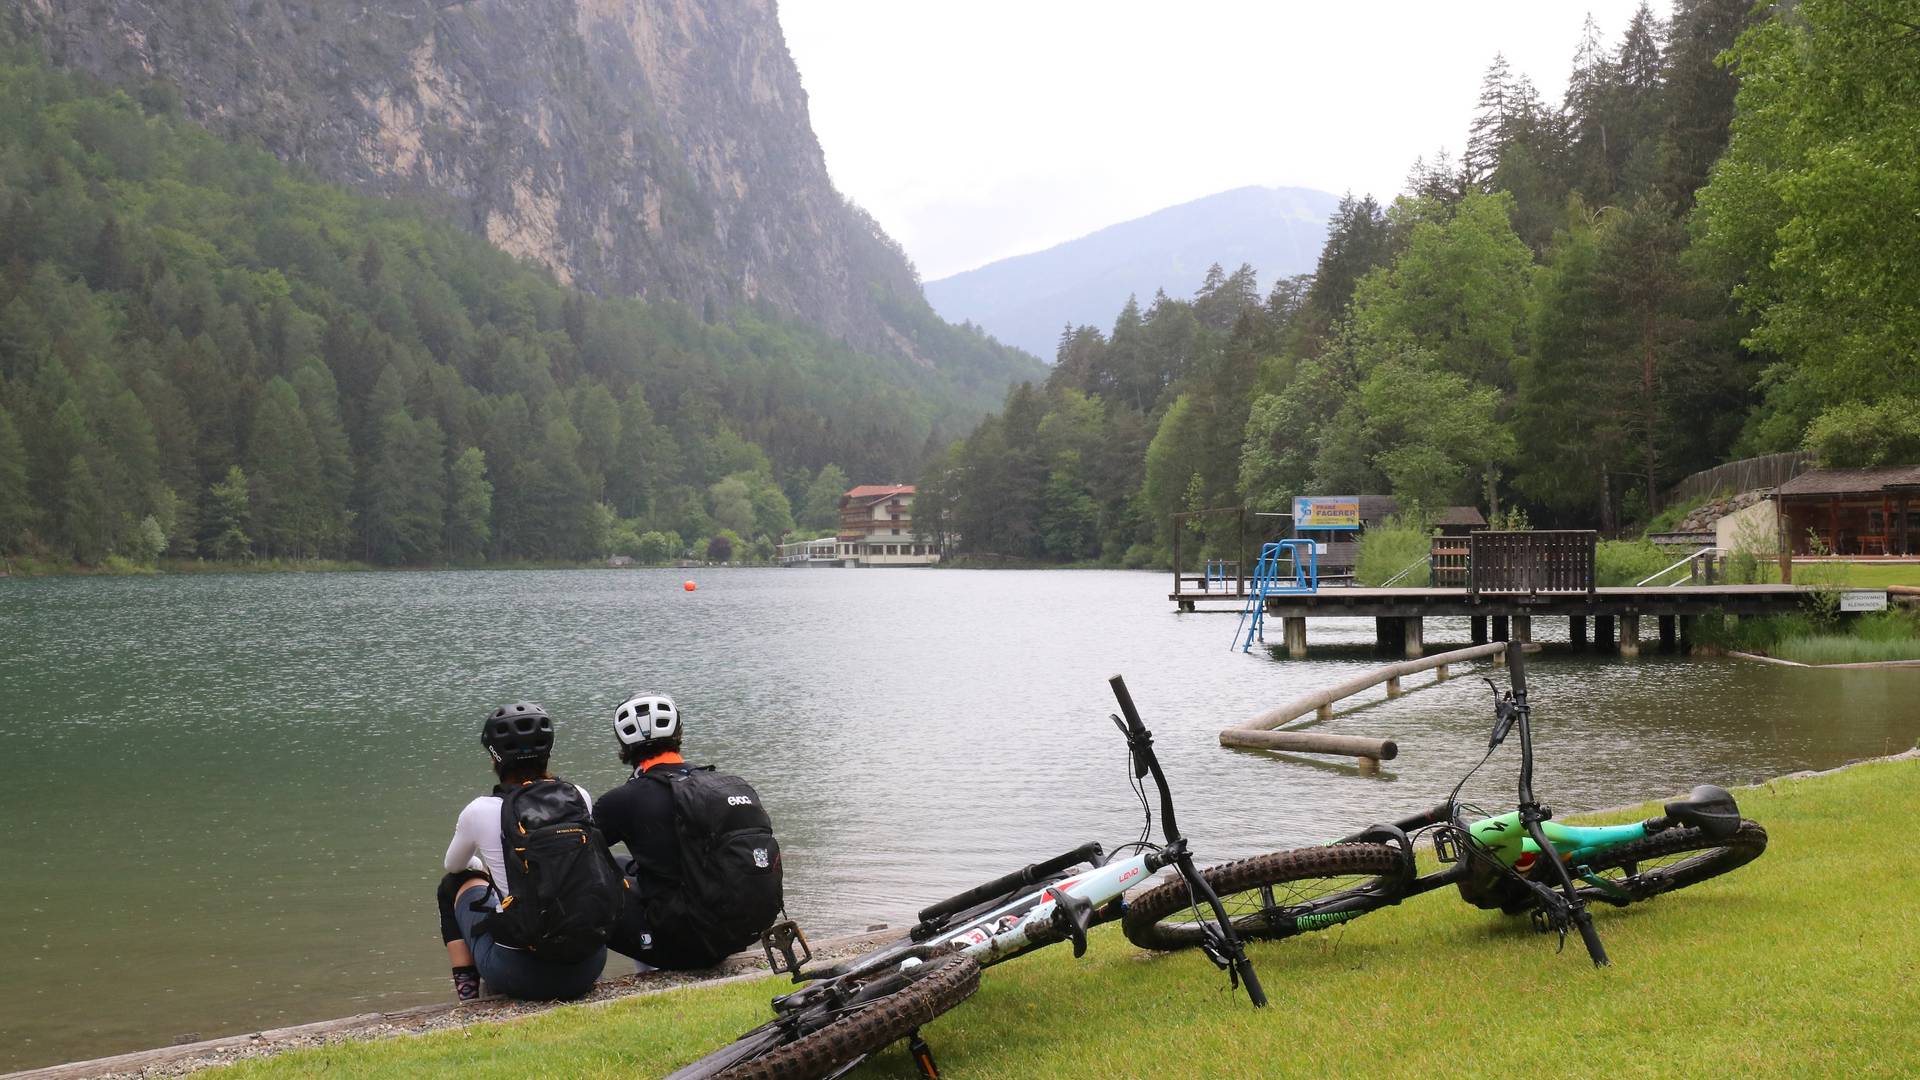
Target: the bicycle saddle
(1708, 808)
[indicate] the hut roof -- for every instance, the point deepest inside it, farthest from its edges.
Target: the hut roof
(1851, 481)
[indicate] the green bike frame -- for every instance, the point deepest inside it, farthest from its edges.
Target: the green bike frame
(1506, 840)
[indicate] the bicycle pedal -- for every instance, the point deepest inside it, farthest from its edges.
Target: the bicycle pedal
(779, 941)
(1445, 848)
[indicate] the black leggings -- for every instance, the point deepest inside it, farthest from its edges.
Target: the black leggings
(446, 894)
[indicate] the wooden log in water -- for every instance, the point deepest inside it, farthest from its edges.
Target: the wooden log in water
(1311, 742)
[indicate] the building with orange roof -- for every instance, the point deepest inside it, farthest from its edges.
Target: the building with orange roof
(876, 528)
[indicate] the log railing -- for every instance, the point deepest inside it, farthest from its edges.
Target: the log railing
(1258, 733)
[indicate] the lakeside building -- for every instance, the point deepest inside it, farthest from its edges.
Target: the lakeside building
(876, 528)
(1852, 511)
(822, 552)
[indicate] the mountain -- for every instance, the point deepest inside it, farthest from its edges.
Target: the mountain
(1025, 300)
(651, 148)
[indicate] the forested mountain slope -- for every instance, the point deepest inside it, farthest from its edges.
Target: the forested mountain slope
(1025, 300)
(202, 352)
(1707, 249)
(654, 148)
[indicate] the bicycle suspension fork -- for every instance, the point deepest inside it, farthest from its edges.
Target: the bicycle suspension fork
(1532, 815)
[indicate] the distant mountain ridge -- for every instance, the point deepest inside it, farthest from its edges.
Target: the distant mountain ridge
(1025, 300)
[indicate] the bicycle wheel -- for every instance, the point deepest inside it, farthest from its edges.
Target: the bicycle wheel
(1273, 896)
(868, 1026)
(1669, 860)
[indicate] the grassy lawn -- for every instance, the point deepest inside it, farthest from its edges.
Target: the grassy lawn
(1852, 575)
(1804, 963)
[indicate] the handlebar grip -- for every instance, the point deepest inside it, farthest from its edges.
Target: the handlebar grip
(1517, 667)
(1026, 875)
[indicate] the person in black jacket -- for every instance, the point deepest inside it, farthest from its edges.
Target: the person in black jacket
(639, 814)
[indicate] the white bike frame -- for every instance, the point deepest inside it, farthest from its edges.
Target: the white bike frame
(1007, 930)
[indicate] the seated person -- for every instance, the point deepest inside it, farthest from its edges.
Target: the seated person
(519, 737)
(704, 867)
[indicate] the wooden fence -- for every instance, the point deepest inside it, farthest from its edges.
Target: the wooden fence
(1747, 474)
(1540, 561)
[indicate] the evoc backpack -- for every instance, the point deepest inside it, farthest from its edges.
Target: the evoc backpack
(564, 894)
(729, 859)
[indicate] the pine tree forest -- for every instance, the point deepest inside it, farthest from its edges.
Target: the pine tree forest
(1708, 248)
(207, 355)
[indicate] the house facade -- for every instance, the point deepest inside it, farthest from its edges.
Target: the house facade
(876, 528)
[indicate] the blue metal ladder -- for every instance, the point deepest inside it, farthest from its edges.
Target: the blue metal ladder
(1304, 562)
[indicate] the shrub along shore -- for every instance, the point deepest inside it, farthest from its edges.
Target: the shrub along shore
(1796, 965)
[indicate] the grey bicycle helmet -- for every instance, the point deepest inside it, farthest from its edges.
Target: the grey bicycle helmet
(518, 732)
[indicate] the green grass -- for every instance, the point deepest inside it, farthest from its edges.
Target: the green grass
(1803, 963)
(1391, 547)
(1852, 575)
(1893, 634)
(1839, 649)
(1628, 562)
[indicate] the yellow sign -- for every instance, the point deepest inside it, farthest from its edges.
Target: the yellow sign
(1326, 512)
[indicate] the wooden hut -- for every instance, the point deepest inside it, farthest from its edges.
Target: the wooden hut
(1852, 511)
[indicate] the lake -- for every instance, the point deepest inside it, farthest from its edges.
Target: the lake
(232, 793)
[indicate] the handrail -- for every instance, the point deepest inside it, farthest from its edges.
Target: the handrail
(1404, 571)
(1325, 697)
(1675, 566)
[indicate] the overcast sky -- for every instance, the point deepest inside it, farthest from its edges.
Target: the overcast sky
(978, 129)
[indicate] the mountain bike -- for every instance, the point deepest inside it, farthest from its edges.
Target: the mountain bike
(1519, 862)
(852, 1009)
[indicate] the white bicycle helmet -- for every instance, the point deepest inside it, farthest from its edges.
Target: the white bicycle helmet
(645, 717)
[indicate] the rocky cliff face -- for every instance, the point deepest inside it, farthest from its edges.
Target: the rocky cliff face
(658, 148)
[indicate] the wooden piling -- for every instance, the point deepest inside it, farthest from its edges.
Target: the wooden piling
(1577, 630)
(1629, 635)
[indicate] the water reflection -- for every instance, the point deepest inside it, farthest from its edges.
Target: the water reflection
(237, 789)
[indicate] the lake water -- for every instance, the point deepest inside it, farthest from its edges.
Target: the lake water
(230, 794)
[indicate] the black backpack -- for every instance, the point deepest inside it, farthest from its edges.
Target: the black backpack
(564, 894)
(729, 859)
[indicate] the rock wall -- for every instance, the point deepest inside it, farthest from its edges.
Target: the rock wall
(658, 148)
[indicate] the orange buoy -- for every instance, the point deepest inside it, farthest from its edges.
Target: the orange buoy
(689, 586)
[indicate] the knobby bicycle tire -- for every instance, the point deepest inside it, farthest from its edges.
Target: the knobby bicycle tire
(1272, 896)
(873, 1026)
(1638, 870)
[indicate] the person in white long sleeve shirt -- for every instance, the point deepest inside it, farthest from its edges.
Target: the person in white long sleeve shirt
(519, 738)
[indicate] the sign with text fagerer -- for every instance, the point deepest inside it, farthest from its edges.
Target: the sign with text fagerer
(1326, 512)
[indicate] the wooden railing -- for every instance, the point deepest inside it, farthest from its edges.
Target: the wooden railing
(1447, 558)
(1540, 561)
(1258, 733)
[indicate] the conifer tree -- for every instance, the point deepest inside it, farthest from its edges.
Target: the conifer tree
(16, 506)
(228, 516)
(469, 504)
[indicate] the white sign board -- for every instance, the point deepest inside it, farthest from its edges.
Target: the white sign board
(1320, 547)
(1863, 600)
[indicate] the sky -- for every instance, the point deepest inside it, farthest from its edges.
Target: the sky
(978, 129)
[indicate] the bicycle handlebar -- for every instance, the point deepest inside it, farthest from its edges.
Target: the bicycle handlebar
(1140, 740)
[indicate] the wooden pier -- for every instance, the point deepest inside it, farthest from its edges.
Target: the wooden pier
(1612, 615)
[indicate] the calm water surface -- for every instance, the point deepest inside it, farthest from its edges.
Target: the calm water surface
(230, 795)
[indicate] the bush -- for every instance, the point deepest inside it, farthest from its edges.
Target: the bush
(1628, 562)
(1391, 547)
